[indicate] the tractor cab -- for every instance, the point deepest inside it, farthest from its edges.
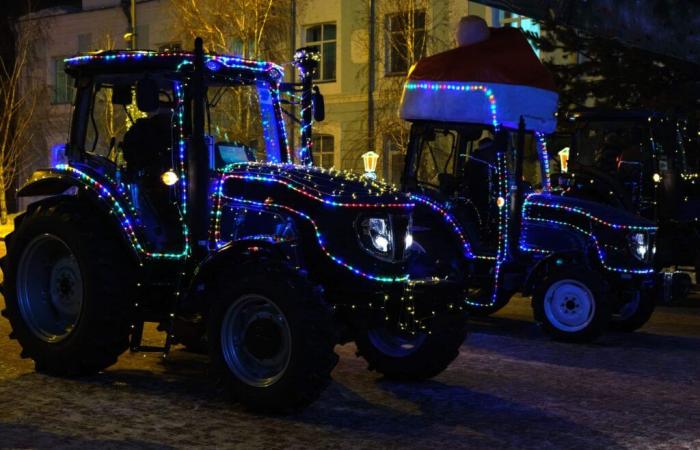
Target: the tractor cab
(477, 153)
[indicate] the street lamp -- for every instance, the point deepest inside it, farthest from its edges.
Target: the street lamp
(564, 159)
(369, 159)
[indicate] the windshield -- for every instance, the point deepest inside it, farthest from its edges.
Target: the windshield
(612, 145)
(449, 158)
(242, 122)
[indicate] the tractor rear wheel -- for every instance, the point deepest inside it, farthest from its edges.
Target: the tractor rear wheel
(67, 289)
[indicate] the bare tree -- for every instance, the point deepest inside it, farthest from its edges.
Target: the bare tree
(407, 30)
(254, 29)
(257, 29)
(18, 101)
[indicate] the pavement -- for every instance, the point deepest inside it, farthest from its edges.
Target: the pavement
(510, 387)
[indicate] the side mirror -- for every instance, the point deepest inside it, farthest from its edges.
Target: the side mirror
(319, 105)
(121, 95)
(147, 96)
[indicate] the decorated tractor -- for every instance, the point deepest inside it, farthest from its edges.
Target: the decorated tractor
(178, 203)
(637, 161)
(478, 115)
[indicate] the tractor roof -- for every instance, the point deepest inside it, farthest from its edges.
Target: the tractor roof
(125, 61)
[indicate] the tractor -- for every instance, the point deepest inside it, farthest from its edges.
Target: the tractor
(478, 113)
(178, 203)
(637, 161)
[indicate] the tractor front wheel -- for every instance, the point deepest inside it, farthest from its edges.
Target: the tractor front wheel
(570, 305)
(634, 312)
(412, 356)
(271, 338)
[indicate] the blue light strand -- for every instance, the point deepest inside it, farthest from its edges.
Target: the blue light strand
(459, 87)
(594, 239)
(541, 143)
(321, 242)
(529, 203)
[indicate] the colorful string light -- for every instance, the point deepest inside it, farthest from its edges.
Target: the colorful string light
(445, 86)
(541, 200)
(321, 241)
(541, 144)
(601, 254)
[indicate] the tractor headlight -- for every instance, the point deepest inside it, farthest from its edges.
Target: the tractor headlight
(376, 236)
(639, 245)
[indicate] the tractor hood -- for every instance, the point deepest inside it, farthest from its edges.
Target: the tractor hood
(597, 212)
(327, 187)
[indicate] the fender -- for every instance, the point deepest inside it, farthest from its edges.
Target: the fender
(553, 259)
(47, 182)
(55, 184)
(235, 255)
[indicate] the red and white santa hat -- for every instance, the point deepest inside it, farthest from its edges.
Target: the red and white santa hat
(494, 77)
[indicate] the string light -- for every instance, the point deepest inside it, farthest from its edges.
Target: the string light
(541, 143)
(321, 241)
(446, 86)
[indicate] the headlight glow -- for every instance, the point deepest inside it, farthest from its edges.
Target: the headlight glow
(639, 245)
(408, 240)
(169, 178)
(377, 231)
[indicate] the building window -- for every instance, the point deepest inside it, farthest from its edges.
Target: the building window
(84, 42)
(508, 19)
(405, 40)
(63, 90)
(323, 39)
(323, 151)
(170, 47)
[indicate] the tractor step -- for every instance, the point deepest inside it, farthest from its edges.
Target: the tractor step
(137, 337)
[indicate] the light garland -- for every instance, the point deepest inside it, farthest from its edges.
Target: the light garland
(446, 86)
(599, 250)
(320, 240)
(532, 201)
(541, 143)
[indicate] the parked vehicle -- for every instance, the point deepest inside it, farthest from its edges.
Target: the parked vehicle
(473, 112)
(637, 161)
(178, 204)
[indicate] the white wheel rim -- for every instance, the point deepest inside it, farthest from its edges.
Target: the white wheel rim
(569, 305)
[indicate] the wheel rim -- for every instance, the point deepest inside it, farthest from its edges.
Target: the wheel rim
(628, 309)
(569, 305)
(395, 345)
(49, 288)
(256, 340)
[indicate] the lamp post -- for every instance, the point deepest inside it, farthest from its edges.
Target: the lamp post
(369, 159)
(564, 159)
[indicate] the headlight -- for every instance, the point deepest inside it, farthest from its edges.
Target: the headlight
(639, 245)
(408, 240)
(376, 236)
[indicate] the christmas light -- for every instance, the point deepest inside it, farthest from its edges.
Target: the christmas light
(446, 86)
(321, 241)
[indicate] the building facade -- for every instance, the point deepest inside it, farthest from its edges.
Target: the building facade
(339, 29)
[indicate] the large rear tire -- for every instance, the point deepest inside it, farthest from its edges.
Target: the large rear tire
(570, 304)
(271, 338)
(412, 357)
(68, 289)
